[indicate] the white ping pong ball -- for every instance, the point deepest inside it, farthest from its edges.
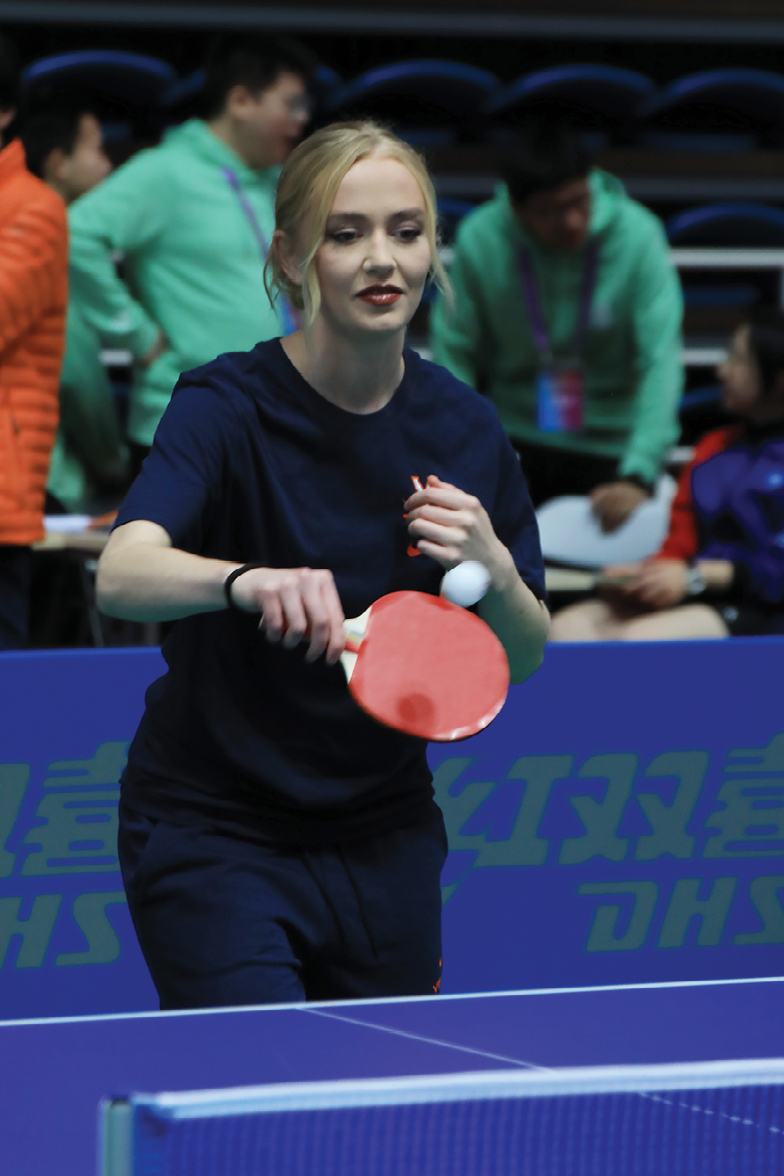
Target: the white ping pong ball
(466, 584)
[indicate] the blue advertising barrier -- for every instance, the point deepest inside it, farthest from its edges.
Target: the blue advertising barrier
(622, 821)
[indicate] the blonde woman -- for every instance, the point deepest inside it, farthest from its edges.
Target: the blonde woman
(276, 843)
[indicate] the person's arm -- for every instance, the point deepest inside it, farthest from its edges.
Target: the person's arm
(88, 412)
(152, 568)
(451, 526)
(665, 583)
(32, 263)
(657, 311)
(662, 580)
(457, 336)
(124, 214)
(91, 426)
(657, 314)
(718, 574)
(141, 577)
(520, 622)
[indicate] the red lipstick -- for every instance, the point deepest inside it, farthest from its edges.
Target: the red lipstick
(380, 295)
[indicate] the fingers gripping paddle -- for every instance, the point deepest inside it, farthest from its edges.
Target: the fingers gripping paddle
(425, 666)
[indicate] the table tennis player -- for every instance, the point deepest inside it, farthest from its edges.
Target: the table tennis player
(276, 843)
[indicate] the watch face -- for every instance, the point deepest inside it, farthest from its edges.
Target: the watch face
(696, 583)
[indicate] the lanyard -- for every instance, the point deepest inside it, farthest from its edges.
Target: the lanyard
(233, 181)
(534, 304)
(285, 309)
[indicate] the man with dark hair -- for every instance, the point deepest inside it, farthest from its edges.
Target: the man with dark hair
(64, 148)
(253, 62)
(568, 313)
(193, 219)
(33, 294)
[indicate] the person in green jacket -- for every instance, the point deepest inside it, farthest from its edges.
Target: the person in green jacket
(64, 148)
(567, 311)
(193, 219)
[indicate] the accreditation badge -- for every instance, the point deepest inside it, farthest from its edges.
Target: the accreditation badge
(560, 399)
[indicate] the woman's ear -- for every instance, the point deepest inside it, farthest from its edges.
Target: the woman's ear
(54, 167)
(284, 250)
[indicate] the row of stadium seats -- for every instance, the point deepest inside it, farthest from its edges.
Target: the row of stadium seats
(721, 108)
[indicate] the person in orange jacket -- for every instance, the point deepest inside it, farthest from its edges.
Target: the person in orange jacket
(33, 298)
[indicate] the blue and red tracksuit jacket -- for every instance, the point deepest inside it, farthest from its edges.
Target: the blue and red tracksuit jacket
(730, 505)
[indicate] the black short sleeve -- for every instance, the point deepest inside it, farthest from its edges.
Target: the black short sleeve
(182, 475)
(514, 520)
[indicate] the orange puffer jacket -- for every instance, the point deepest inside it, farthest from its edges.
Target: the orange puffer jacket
(33, 297)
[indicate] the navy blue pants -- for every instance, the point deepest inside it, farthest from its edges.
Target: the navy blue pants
(15, 563)
(227, 921)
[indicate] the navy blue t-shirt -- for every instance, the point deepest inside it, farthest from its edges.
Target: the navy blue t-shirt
(250, 463)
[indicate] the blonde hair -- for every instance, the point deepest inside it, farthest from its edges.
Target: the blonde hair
(307, 189)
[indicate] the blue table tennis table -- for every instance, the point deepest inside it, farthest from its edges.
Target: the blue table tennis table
(55, 1072)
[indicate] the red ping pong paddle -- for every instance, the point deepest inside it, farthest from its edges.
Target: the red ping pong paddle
(425, 666)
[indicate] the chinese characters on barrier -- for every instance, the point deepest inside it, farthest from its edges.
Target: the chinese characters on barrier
(609, 809)
(678, 814)
(72, 830)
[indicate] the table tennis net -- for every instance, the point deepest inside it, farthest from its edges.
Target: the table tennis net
(716, 1119)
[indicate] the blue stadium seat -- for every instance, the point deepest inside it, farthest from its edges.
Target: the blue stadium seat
(449, 86)
(701, 400)
(426, 101)
(183, 91)
(604, 90)
(128, 77)
(728, 225)
(708, 297)
(326, 81)
(720, 108)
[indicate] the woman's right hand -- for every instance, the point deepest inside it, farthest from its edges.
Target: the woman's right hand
(655, 583)
(295, 604)
(662, 583)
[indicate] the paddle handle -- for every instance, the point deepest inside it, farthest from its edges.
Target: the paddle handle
(355, 629)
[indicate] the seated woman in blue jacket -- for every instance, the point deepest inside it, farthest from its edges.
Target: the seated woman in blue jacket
(720, 571)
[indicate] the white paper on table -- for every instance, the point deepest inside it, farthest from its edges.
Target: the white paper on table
(570, 532)
(66, 524)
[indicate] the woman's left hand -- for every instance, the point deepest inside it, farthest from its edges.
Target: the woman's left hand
(451, 526)
(614, 502)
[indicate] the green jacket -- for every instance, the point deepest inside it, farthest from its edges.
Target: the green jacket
(89, 451)
(192, 262)
(632, 353)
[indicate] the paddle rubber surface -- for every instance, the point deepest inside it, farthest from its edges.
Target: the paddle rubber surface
(430, 668)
